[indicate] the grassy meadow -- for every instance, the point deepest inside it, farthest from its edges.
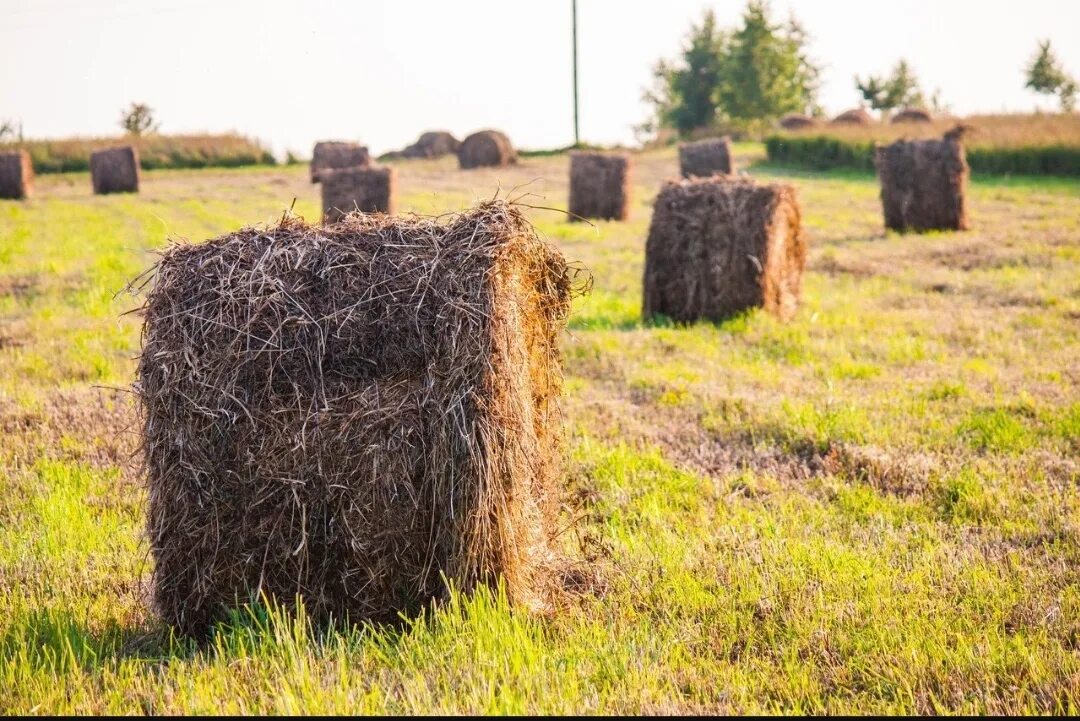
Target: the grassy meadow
(872, 508)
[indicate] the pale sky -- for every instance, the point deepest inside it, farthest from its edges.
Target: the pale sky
(382, 71)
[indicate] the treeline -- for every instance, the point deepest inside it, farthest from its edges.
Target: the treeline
(155, 152)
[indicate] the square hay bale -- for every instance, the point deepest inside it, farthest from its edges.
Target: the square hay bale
(344, 413)
(115, 170)
(16, 175)
(369, 190)
(924, 184)
(600, 185)
(719, 246)
(706, 158)
(332, 154)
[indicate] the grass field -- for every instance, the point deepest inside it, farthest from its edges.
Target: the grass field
(873, 508)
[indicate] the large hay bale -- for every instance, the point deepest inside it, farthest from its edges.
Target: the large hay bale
(705, 158)
(333, 154)
(600, 185)
(924, 184)
(432, 144)
(858, 116)
(486, 149)
(16, 175)
(369, 190)
(912, 115)
(115, 170)
(718, 246)
(347, 412)
(796, 121)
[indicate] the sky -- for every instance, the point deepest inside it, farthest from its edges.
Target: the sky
(382, 71)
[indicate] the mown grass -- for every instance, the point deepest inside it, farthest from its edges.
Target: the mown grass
(873, 508)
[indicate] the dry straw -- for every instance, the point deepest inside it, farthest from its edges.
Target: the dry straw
(924, 184)
(348, 413)
(720, 246)
(369, 190)
(16, 175)
(115, 170)
(330, 155)
(705, 158)
(486, 149)
(600, 185)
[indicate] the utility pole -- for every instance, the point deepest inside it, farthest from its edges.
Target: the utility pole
(577, 135)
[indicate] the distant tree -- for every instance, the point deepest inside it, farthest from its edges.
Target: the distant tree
(766, 71)
(898, 90)
(684, 94)
(10, 130)
(138, 119)
(759, 71)
(1046, 76)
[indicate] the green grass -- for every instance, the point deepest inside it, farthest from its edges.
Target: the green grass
(872, 508)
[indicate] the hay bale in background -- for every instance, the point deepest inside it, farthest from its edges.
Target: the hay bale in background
(16, 175)
(347, 412)
(332, 155)
(796, 121)
(486, 149)
(432, 144)
(115, 170)
(600, 185)
(719, 246)
(705, 158)
(912, 115)
(924, 184)
(369, 190)
(858, 116)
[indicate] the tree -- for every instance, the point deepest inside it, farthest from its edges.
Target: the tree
(1046, 76)
(757, 72)
(10, 129)
(899, 90)
(138, 119)
(684, 95)
(766, 72)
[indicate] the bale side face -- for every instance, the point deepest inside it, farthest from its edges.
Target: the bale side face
(858, 116)
(797, 122)
(600, 185)
(16, 175)
(334, 155)
(115, 170)
(369, 190)
(923, 185)
(343, 413)
(912, 115)
(717, 247)
(486, 149)
(706, 158)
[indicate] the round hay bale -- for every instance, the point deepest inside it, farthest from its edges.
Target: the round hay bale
(796, 121)
(370, 189)
(600, 185)
(924, 184)
(334, 154)
(16, 175)
(857, 116)
(719, 246)
(432, 144)
(115, 170)
(912, 115)
(356, 414)
(704, 158)
(486, 149)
